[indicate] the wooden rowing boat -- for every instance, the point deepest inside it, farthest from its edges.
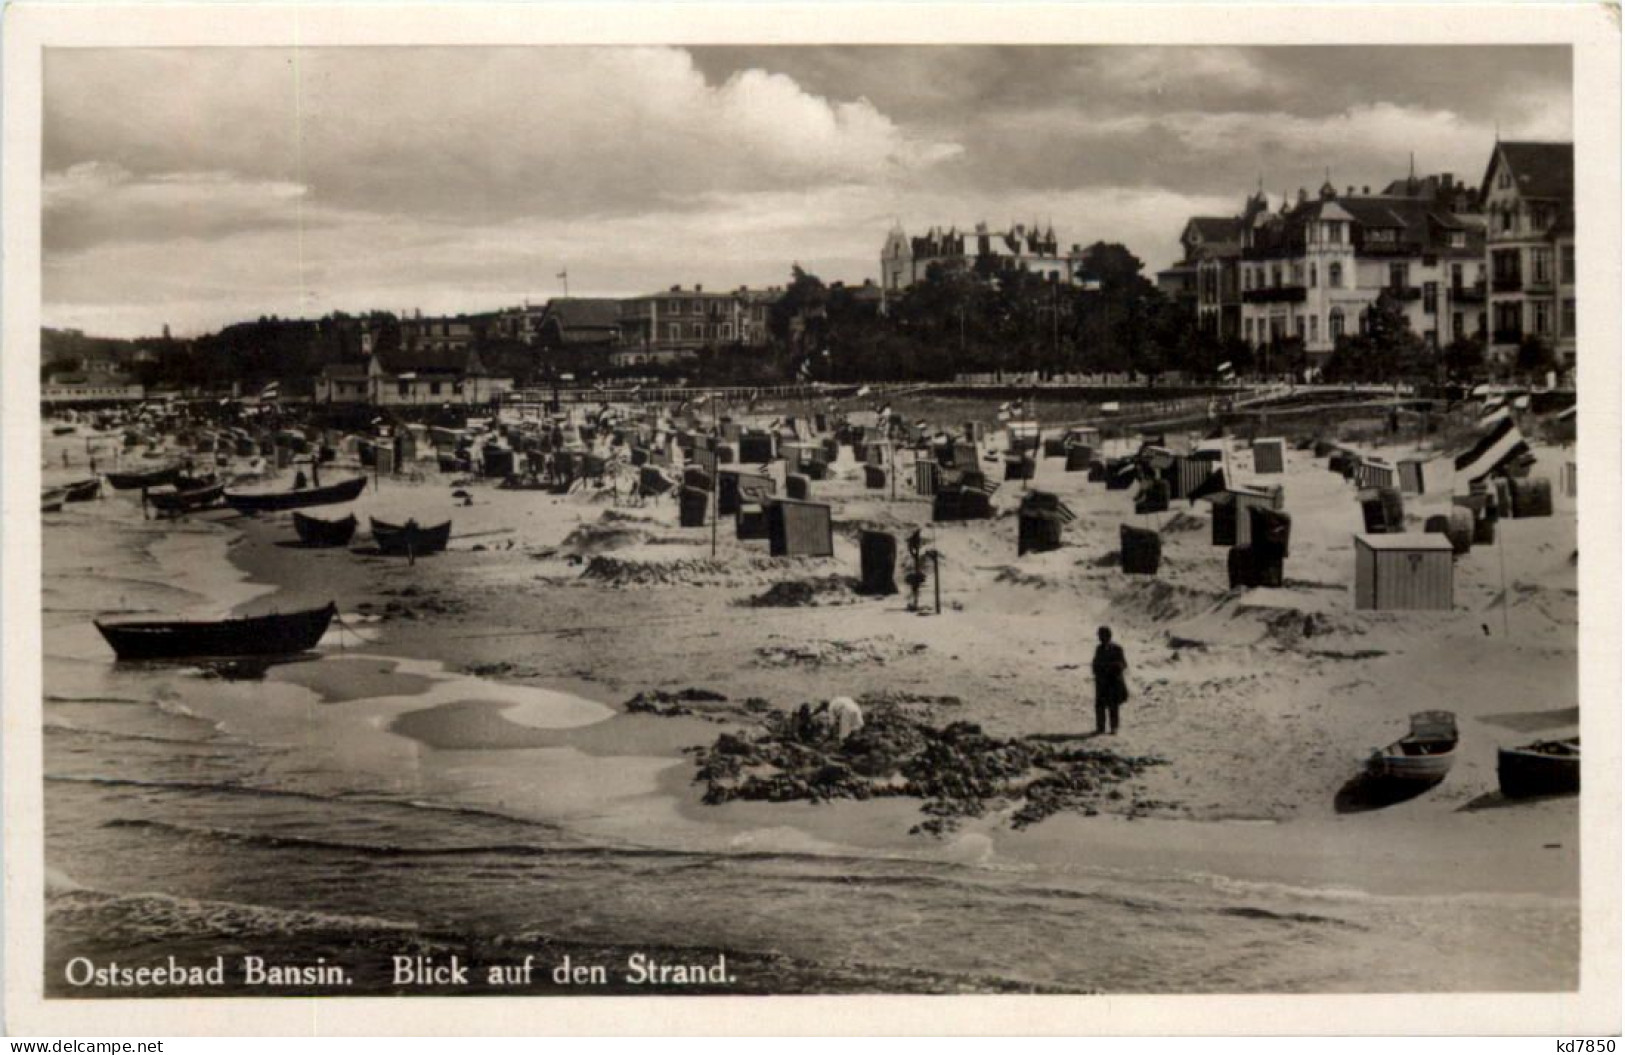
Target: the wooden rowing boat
(1424, 755)
(82, 490)
(269, 501)
(1545, 767)
(410, 539)
(314, 531)
(136, 481)
(264, 635)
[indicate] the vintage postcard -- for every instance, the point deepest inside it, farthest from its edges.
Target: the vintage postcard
(1074, 512)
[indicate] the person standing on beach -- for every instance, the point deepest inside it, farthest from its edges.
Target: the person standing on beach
(1110, 688)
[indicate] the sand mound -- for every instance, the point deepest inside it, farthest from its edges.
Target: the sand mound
(1183, 523)
(617, 571)
(875, 650)
(589, 539)
(1016, 577)
(802, 593)
(1159, 601)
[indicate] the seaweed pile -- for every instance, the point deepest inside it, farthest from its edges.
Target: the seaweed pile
(958, 770)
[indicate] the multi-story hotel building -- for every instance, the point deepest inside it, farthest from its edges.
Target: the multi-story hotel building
(1529, 204)
(905, 260)
(1312, 269)
(680, 322)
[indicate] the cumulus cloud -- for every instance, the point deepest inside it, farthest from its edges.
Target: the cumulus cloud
(199, 186)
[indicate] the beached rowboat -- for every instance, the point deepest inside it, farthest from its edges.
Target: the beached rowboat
(51, 501)
(410, 538)
(314, 531)
(185, 501)
(267, 501)
(82, 490)
(1546, 767)
(1424, 755)
(135, 481)
(264, 635)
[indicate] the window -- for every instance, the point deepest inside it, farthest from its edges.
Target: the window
(1430, 298)
(1543, 318)
(673, 331)
(674, 307)
(1297, 325)
(1508, 268)
(696, 331)
(1568, 317)
(1508, 321)
(698, 307)
(1398, 276)
(1506, 220)
(1334, 276)
(1483, 322)
(1540, 262)
(1455, 277)
(434, 388)
(1297, 274)
(1249, 325)
(727, 332)
(1275, 275)
(1432, 337)
(1335, 327)
(1314, 327)
(1566, 276)
(1503, 179)
(1458, 325)
(405, 388)
(1314, 276)
(1246, 278)
(1458, 239)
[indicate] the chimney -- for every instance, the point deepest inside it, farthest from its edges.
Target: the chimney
(1366, 191)
(1351, 190)
(698, 288)
(1303, 195)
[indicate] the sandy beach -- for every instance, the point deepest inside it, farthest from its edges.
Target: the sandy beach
(537, 693)
(1264, 703)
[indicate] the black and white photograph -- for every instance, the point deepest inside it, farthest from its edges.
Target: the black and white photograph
(679, 518)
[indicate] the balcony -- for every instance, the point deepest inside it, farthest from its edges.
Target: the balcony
(1403, 292)
(1276, 295)
(1538, 285)
(1513, 336)
(1468, 294)
(1507, 283)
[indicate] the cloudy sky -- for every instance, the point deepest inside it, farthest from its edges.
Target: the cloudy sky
(197, 187)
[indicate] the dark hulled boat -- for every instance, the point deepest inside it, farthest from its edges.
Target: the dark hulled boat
(1546, 767)
(411, 538)
(82, 490)
(314, 531)
(270, 501)
(135, 481)
(262, 635)
(51, 501)
(186, 501)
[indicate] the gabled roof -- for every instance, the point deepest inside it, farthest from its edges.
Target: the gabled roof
(1540, 170)
(427, 361)
(1215, 228)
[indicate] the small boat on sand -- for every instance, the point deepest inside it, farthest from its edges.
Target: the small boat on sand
(1424, 755)
(268, 501)
(314, 531)
(1545, 767)
(185, 501)
(135, 481)
(410, 539)
(51, 501)
(263, 635)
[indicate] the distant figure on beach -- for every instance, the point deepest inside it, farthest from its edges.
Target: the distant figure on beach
(1110, 688)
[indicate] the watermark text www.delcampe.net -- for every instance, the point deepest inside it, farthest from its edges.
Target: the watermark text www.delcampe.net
(90, 1047)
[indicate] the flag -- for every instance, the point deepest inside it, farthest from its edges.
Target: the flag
(1501, 444)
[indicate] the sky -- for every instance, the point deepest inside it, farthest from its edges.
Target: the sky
(197, 187)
